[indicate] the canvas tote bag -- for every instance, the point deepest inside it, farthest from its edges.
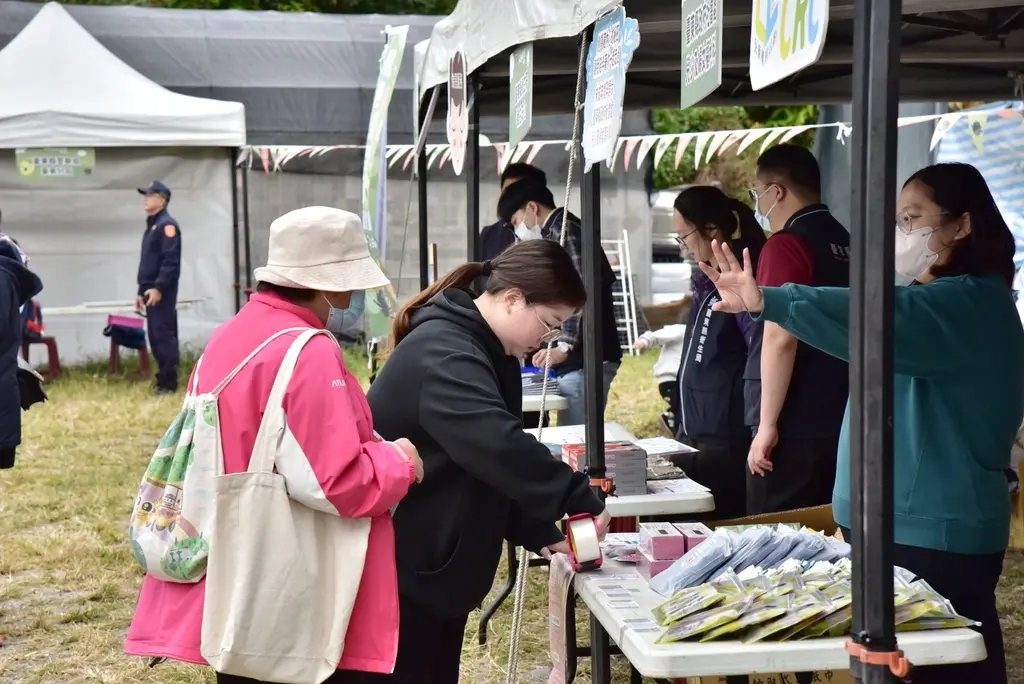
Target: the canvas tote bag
(282, 577)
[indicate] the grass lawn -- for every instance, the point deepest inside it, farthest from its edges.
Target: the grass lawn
(68, 581)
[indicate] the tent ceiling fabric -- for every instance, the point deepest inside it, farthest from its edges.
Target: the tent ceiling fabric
(952, 50)
(62, 88)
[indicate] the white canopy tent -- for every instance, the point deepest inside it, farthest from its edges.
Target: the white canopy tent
(63, 89)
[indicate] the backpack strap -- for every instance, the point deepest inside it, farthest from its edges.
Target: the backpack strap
(237, 369)
(264, 450)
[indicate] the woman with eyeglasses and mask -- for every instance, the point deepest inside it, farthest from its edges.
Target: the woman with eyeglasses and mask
(452, 384)
(958, 390)
(710, 380)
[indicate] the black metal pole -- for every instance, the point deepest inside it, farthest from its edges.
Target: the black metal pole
(875, 100)
(593, 360)
(421, 185)
(246, 234)
(472, 171)
(235, 249)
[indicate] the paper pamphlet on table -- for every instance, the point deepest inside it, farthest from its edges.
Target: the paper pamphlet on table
(560, 577)
(576, 434)
(683, 486)
(663, 446)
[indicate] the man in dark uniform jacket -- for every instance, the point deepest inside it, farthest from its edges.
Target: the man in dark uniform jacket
(796, 394)
(497, 236)
(159, 271)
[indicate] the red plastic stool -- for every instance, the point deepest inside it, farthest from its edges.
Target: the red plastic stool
(115, 360)
(53, 358)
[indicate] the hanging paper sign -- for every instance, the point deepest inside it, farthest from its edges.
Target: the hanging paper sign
(55, 162)
(785, 37)
(702, 50)
(458, 110)
(520, 93)
(616, 37)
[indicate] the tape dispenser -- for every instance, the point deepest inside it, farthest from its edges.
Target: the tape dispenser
(584, 547)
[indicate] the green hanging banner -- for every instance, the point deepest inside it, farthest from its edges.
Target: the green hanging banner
(52, 163)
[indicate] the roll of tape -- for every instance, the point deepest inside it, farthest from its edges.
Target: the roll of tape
(583, 539)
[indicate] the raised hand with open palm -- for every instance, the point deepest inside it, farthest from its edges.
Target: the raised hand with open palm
(736, 285)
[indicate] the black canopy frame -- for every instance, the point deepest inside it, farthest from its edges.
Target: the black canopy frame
(877, 52)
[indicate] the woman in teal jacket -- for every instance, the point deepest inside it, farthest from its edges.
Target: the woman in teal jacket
(958, 389)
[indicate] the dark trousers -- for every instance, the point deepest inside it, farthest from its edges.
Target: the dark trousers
(803, 476)
(969, 582)
(721, 467)
(339, 677)
(429, 647)
(162, 327)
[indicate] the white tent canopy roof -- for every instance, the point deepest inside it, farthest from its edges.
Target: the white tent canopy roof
(62, 88)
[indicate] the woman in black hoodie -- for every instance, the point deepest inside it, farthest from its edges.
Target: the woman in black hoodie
(715, 347)
(453, 387)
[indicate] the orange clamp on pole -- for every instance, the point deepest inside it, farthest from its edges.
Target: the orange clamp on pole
(894, 660)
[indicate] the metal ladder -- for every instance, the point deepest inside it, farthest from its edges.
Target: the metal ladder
(624, 292)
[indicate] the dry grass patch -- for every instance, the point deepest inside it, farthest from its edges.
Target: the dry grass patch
(68, 582)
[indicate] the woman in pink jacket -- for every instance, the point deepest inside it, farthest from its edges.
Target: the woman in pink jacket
(318, 256)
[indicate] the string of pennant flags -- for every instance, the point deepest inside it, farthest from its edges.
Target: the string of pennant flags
(633, 150)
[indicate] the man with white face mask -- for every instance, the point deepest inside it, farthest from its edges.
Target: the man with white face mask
(795, 394)
(529, 207)
(497, 236)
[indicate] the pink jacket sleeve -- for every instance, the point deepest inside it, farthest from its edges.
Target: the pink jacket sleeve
(329, 455)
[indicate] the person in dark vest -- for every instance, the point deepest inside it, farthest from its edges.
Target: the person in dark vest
(796, 394)
(497, 236)
(17, 286)
(159, 271)
(530, 207)
(709, 383)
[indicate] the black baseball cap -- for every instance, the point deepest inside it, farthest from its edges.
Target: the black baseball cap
(157, 188)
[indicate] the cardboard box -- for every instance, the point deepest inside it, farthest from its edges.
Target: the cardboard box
(822, 677)
(649, 567)
(817, 518)
(695, 533)
(661, 541)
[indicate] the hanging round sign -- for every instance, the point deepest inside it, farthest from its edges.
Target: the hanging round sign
(458, 110)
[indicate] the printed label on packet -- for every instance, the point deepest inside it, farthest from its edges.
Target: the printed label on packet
(623, 603)
(641, 625)
(613, 589)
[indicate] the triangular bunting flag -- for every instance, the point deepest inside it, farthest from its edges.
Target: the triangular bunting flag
(733, 138)
(265, 158)
(681, 145)
(661, 148)
(976, 123)
(751, 137)
(444, 157)
(499, 153)
(792, 133)
(772, 137)
(435, 152)
(408, 158)
(646, 143)
(631, 144)
(534, 149)
(715, 143)
(942, 127)
(521, 149)
(615, 155)
(698, 149)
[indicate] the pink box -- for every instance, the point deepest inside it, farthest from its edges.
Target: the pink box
(126, 321)
(662, 541)
(694, 533)
(648, 567)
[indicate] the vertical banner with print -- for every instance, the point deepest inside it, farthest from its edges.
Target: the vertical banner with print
(785, 37)
(616, 37)
(380, 304)
(458, 110)
(702, 50)
(520, 94)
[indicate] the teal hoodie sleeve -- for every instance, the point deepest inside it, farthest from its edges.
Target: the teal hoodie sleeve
(928, 337)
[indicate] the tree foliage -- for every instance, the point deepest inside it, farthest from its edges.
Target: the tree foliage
(734, 172)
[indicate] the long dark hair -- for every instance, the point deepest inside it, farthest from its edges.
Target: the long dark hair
(989, 248)
(541, 269)
(708, 209)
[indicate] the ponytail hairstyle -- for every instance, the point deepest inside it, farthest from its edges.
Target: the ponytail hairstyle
(541, 269)
(708, 209)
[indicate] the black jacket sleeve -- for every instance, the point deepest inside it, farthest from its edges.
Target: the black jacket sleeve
(529, 532)
(463, 411)
(170, 257)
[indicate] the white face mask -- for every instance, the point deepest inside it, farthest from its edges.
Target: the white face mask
(763, 219)
(913, 255)
(525, 232)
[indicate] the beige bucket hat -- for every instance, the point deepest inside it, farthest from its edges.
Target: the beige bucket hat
(320, 248)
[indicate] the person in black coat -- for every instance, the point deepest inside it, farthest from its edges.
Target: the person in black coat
(452, 386)
(710, 398)
(17, 286)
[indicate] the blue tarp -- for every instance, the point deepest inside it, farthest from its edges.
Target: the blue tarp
(1000, 159)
